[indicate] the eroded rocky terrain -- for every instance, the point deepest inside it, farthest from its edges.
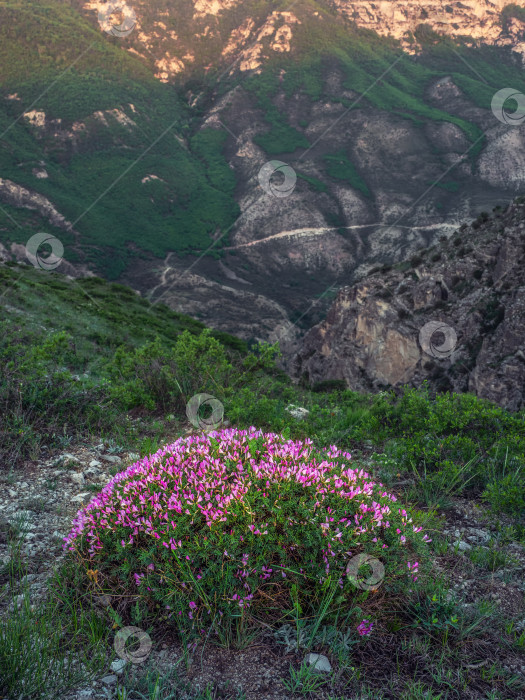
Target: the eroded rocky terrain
(471, 288)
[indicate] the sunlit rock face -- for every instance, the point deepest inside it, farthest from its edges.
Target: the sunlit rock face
(477, 19)
(177, 36)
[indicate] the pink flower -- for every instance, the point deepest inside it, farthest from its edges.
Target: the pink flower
(365, 627)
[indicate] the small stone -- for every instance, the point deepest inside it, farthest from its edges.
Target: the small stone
(94, 463)
(109, 680)
(81, 497)
(461, 546)
(112, 459)
(319, 663)
(118, 665)
(77, 477)
(133, 456)
(12, 494)
(104, 600)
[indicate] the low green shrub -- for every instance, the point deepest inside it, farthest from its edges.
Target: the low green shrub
(157, 377)
(41, 397)
(507, 495)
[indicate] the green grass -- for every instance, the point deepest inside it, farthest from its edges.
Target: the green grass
(339, 167)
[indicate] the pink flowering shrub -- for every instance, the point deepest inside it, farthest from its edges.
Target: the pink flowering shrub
(218, 524)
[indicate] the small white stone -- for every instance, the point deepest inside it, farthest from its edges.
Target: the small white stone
(94, 463)
(12, 494)
(118, 665)
(81, 497)
(319, 662)
(77, 477)
(109, 680)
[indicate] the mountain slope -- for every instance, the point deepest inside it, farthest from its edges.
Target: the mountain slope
(157, 185)
(453, 315)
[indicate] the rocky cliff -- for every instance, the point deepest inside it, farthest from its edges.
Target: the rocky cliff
(177, 37)
(479, 20)
(453, 315)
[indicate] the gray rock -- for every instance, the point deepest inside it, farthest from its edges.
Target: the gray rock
(112, 459)
(104, 600)
(319, 662)
(94, 463)
(118, 665)
(81, 497)
(109, 680)
(461, 545)
(477, 535)
(12, 494)
(77, 477)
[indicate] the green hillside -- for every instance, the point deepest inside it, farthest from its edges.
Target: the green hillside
(123, 156)
(94, 176)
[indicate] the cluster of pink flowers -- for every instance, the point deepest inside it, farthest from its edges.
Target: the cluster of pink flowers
(204, 478)
(413, 569)
(365, 628)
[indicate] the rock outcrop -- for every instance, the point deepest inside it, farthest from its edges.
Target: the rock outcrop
(454, 315)
(247, 37)
(480, 20)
